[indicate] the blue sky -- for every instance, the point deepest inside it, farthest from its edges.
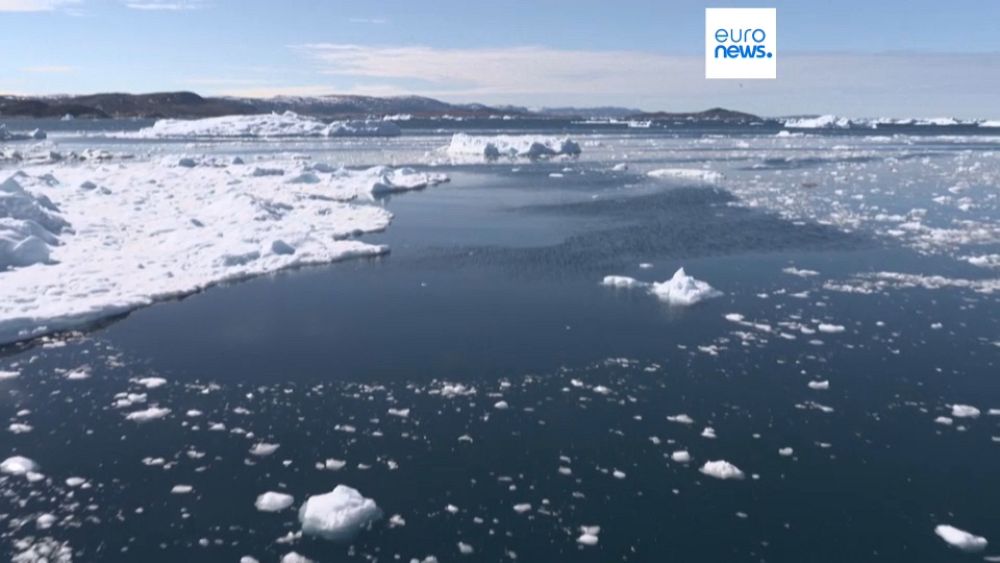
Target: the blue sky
(851, 57)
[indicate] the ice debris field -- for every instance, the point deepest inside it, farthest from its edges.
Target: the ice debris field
(839, 405)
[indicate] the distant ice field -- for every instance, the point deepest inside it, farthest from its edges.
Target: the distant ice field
(691, 345)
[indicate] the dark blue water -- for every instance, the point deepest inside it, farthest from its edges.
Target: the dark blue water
(493, 282)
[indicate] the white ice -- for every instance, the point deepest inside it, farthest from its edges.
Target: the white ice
(510, 146)
(960, 539)
(689, 174)
(288, 124)
(683, 290)
(721, 469)
(273, 502)
(18, 465)
(157, 230)
(338, 515)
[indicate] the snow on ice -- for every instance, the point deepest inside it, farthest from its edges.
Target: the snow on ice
(511, 146)
(338, 515)
(156, 230)
(288, 124)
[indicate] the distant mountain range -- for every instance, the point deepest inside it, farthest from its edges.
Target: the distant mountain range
(191, 105)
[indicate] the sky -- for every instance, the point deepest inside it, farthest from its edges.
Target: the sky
(860, 58)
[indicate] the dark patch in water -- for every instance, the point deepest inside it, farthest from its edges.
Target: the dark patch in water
(678, 223)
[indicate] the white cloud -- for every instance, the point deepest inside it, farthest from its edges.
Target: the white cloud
(49, 69)
(898, 84)
(155, 6)
(34, 5)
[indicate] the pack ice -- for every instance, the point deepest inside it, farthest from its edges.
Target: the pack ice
(89, 240)
(511, 146)
(288, 124)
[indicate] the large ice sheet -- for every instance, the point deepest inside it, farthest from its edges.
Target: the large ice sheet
(288, 124)
(108, 238)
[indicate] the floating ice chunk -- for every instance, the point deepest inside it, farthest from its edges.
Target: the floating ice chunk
(338, 515)
(396, 521)
(819, 385)
(288, 124)
(263, 449)
(77, 374)
(449, 390)
(273, 502)
(75, 481)
(8, 374)
(45, 521)
(960, 539)
(681, 456)
(181, 489)
(588, 535)
(944, 420)
(964, 411)
(522, 508)
(501, 405)
(708, 432)
(41, 550)
(18, 465)
(830, 328)
(800, 272)
(248, 559)
(152, 413)
(293, 557)
(511, 146)
(332, 464)
(19, 428)
(622, 281)
(465, 549)
(786, 452)
(681, 418)
(683, 290)
(620, 167)
(722, 469)
(821, 122)
(151, 382)
(688, 174)
(401, 413)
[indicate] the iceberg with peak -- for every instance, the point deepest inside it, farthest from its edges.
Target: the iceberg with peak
(511, 146)
(681, 290)
(274, 125)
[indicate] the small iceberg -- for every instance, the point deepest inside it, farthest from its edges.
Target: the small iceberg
(511, 146)
(338, 515)
(681, 290)
(960, 539)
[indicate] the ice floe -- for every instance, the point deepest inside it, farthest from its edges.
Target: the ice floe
(146, 415)
(18, 465)
(721, 469)
(511, 146)
(960, 539)
(680, 290)
(162, 231)
(273, 502)
(338, 515)
(689, 174)
(275, 125)
(964, 411)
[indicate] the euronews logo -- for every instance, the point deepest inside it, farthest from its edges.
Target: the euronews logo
(741, 43)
